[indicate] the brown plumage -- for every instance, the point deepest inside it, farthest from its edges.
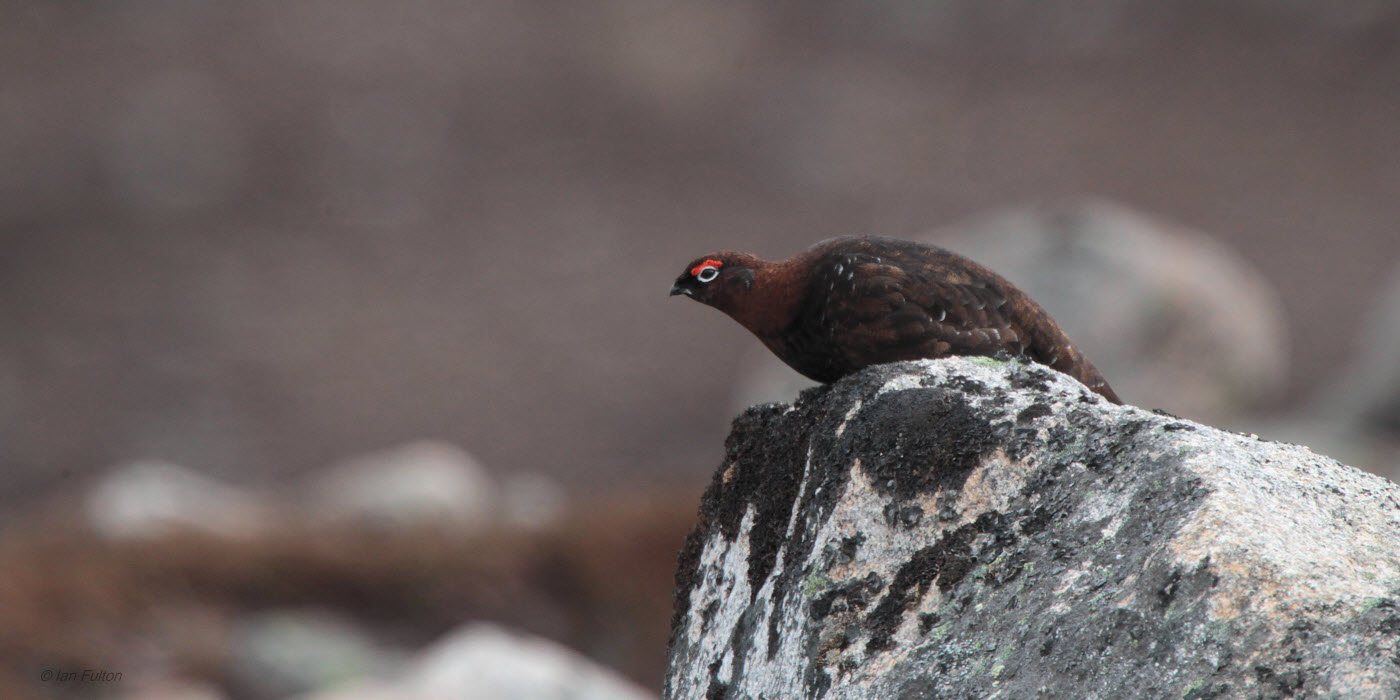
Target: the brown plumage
(851, 302)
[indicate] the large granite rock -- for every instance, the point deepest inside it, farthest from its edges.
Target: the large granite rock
(969, 528)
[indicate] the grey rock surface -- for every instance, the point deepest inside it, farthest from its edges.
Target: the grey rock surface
(968, 528)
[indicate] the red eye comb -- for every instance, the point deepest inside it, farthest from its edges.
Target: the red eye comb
(708, 262)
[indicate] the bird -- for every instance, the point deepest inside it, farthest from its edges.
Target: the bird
(851, 302)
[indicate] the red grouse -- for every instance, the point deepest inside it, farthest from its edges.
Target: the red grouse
(851, 302)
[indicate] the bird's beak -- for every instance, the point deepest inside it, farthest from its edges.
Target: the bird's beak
(678, 289)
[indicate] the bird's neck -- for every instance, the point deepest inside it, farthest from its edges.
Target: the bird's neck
(769, 305)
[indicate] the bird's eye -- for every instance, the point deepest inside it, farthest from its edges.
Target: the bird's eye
(707, 274)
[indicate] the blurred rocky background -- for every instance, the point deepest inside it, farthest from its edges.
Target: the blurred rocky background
(335, 350)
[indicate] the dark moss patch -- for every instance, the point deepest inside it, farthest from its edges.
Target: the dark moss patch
(967, 385)
(947, 505)
(766, 472)
(708, 615)
(1036, 520)
(1022, 442)
(1278, 684)
(906, 516)
(919, 440)
(1210, 691)
(718, 690)
(1006, 569)
(847, 597)
(945, 563)
(843, 552)
(1036, 410)
(816, 681)
(925, 689)
(1104, 446)
(927, 621)
(1390, 625)
(1032, 377)
(1059, 438)
(1189, 585)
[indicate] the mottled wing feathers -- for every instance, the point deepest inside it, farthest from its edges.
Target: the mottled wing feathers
(902, 309)
(874, 300)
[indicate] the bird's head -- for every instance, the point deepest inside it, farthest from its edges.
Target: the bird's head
(720, 279)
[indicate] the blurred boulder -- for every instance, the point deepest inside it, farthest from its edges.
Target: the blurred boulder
(1359, 411)
(424, 482)
(1367, 393)
(360, 689)
(1173, 318)
(496, 664)
(150, 498)
(285, 652)
(168, 689)
(482, 661)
